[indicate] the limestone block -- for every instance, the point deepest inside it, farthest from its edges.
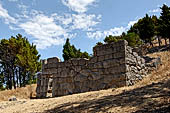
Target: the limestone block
(75, 62)
(101, 71)
(135, 54)
(84, 89)
(64, 86)
(113, 70)
(69, 80)
(95, 70)
(98, 65)
(106, 71)
(142, 60)
(68, 64)
(61, 64)
(64, 74)
(101, 85)
(106, 64)
(95, 76)
(100, 58)
(122, 68)
(107, 79)
(122, 61)
(83, 62)
(57, 75)
(108, 56)
(108, 51)
(90, 66)
(86, 72)
(72, 73)
(93, 60)
(93, 85)
(59, 70)
(45, 66)
(80, 78)
(53, 60)
(52, 65)
(77, 68)
(54, 70)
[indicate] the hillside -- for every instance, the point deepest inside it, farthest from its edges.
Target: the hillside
(152, 95)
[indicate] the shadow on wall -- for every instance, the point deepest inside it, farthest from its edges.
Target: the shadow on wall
(143, 98)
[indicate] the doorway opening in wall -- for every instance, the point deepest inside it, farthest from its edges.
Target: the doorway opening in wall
(49, 91)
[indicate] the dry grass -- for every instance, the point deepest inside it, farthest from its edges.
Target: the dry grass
(20, 93)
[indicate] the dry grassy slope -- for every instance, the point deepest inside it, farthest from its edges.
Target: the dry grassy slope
(20, 93)
(152, 95)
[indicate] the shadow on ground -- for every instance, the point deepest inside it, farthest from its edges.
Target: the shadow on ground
(143, 98)
(159, 49)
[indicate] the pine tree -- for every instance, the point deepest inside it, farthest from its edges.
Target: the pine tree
(70, 51)
(164, 23)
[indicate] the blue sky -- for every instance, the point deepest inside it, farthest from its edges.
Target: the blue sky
(47, 23)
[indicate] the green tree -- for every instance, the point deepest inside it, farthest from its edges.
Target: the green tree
(69, 51)
(144, 28)
(156, 26)
(110, 39)
(133, 39)
(164, 23)
(19, 61)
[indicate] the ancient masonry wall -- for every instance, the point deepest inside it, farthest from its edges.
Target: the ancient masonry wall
(112, 65)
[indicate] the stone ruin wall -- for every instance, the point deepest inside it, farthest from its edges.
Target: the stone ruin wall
(112, 65)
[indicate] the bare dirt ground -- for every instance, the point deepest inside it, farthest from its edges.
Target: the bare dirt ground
(151, 95)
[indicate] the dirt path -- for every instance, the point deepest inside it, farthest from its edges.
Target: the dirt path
(150, 98)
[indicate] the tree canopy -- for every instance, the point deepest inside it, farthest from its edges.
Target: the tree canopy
(69, 51)
(19, 61)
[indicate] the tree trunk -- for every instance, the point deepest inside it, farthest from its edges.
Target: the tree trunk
(10, 81)
(165, 41)
(13, 75)
(20, 82)
(151, 43)
(24, 76)
(17, 81)
(159, 41)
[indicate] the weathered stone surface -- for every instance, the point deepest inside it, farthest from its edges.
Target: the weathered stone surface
(80, 77)
(112, 65)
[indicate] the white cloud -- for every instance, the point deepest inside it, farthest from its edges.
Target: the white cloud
(12, 0)
(78, 21)
(24, 11)
(49, 30)
(158, 10)
(116, 31)
(85, 22)
(4, 14)
(45, 31)
(95, 35)
(131, 23)
(79, 6)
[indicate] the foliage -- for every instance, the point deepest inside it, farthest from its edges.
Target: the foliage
(69, 51)
(164, 22)
(133, 39)
(145, 28)
(19, 61)
(110, 39)
(99, 43)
